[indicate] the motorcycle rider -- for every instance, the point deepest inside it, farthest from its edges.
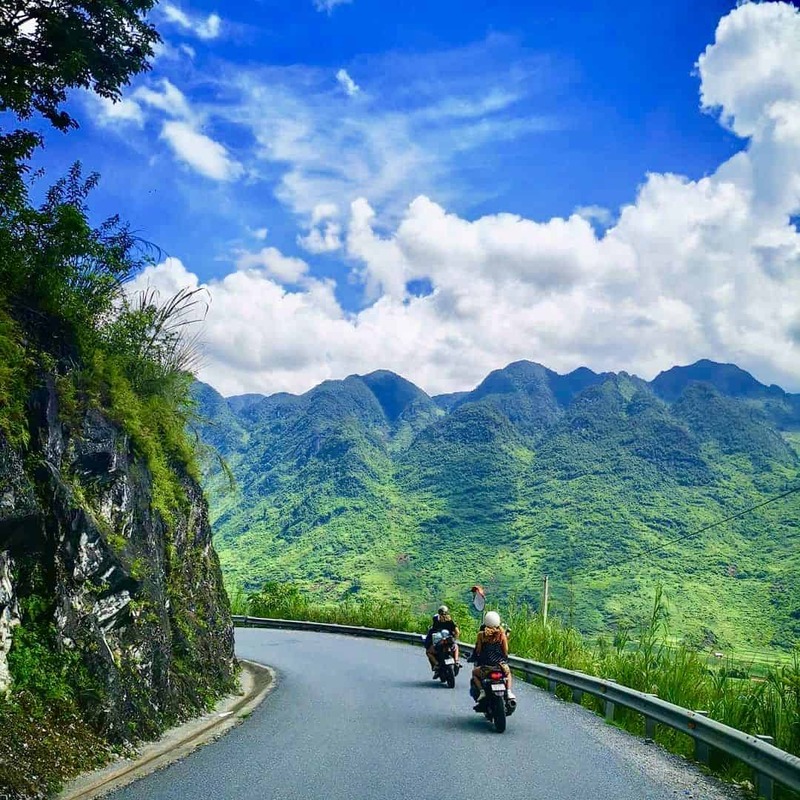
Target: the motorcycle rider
(491, 653)
(442, 621)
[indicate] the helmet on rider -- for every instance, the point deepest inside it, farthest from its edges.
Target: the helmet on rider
(444, 610)
(492, 619)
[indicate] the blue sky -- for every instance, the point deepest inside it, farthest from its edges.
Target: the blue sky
(321, 168)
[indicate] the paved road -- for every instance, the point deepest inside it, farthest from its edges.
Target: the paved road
(355, 718)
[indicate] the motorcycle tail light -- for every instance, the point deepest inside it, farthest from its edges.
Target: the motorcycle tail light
(496, 676)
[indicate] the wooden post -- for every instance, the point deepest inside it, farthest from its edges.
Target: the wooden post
(545, 599)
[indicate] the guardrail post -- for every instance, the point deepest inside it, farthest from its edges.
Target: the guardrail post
(763, 783)
(610, 705)
(577, 696)
(650, 725)
(702, 751)
(552, 685)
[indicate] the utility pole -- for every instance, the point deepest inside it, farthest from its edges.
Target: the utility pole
(545, 599)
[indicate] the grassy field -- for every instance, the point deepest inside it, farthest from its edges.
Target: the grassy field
(758, 694)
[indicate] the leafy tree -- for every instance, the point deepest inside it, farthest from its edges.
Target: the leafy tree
(50, 46)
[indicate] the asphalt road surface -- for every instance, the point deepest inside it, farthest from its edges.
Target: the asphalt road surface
(356, 718)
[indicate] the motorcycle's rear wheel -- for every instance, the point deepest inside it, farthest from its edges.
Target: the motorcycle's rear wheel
(499, 712)
(448, 676)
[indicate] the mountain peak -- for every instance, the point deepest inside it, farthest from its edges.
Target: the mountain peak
(394, 393)
(728, 379)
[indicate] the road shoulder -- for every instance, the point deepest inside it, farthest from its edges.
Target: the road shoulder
(256, 682)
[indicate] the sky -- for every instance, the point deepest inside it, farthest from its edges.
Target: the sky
(443, 188)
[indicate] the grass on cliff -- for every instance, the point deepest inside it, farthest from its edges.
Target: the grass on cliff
(64, 311)
(642, 658)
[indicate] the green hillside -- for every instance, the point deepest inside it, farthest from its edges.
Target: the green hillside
(369, 486)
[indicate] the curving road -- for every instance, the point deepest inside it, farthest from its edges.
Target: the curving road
(356, 718)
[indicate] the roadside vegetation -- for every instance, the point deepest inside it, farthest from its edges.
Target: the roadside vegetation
(764, 701)
(66, 318)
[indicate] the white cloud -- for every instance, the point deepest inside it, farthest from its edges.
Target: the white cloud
(168, 278)
(169, 99)
(200, 152)
(283, 268)
(326, 150)
(599, 214)
(325, 231)
(324, 211)
(329, 5)
(324, 239)
(206, 28)
(182, 132)
(108, 113)
(350, 87)
(690, 269)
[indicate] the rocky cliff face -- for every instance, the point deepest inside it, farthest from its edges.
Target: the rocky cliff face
(127, 598)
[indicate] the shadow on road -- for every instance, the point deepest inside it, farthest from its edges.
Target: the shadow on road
(469, 724)
(428, 684)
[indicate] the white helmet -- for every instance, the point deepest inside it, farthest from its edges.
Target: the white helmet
(492, 619)
(444, 610)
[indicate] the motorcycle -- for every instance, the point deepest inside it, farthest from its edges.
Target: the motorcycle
(497, 706)
(444, 647)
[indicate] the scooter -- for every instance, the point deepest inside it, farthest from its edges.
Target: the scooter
(444, 647)
(497, 706)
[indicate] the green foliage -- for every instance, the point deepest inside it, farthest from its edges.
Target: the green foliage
(39, 749)
(47, 48)
(156, 422)
(48, 674)
(287, 601)
(60, 276)
(14, 370)
(344, 493)
(61, 281)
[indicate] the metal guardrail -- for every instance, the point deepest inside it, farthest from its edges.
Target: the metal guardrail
(769, 763)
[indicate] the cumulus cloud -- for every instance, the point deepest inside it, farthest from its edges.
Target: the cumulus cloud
(350, 87)
(324, 239)
(284, 268)
(690, 269)
(324, 235)
(206, 28)
(200, 152)
(598, 214)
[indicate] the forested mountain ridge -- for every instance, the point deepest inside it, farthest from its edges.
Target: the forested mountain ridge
(368, 485)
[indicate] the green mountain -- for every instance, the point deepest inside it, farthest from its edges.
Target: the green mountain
(368, 485)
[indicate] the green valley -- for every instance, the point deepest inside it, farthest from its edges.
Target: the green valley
(368, 487)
